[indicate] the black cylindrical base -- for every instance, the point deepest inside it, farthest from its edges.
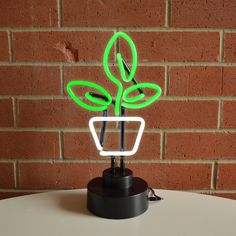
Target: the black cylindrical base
(107, 201)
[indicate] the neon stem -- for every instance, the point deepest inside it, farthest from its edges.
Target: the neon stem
(127, 69)
(118, 98)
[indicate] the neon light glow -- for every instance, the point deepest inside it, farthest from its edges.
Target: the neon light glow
(104, 104)
(123, 98)
(115, 118)
(128, 102)
(137, 98)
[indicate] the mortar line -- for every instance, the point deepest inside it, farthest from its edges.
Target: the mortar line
(164, 98)
(59, 13)
(67, 161)
(219, 114)
(183, 64)
(15, 111)
(62, 80)
(162, 146)
(61, 29)
(97, 159)
(73, 160)
(147, 130)
(111, 28)
(169, 29)
(221, 53)
(97, 63)
(53, 64)
(168, 13)
(9, 37)
(166, 89)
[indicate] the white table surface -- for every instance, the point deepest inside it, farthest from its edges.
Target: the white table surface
(64, 213)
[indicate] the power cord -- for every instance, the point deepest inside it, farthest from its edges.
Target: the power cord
(152, 195)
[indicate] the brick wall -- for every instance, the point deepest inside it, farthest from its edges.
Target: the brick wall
(187, 47)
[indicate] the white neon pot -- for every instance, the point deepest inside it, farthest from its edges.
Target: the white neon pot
(115, 118)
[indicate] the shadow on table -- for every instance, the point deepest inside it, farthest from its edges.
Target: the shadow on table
(74, 202)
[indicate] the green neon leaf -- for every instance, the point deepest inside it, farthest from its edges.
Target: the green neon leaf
(134, 98)
(97, 100)
(102, 104)
(120, 65)
(129, 101)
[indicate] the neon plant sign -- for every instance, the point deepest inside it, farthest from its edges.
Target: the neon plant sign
(117, 194)
(123, 99)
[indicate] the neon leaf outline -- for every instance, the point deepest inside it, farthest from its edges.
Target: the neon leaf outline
(150, 100)
(120, 65)
(104, 104)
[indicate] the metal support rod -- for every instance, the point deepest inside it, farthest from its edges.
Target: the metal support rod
(113, 164)
(103, 128)
(122, 140)
(128, 71)
(95, 95)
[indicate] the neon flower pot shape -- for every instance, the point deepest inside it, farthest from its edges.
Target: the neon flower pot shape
(104, 190)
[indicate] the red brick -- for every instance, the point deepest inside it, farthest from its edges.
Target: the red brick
(27, 80)
(6, 175)
(229, 81)
(201, 146)
(97, 75)
(226, 178)
(6, 113)
(3, 47)
(42, 46)
(229, 114)
(26, 13)
(53, 113)
(174, 46)
(43, 145)
(195, 81)
(179, 114)
(75, 146)
(230, 47)
(203, 14)
(174, 176)
(58, 175)
(113, 13)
